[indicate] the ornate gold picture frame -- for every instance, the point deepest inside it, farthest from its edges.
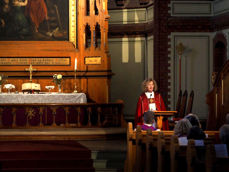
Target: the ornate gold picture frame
(56, 20)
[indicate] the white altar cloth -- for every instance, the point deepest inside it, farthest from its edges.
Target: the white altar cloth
(65, 98)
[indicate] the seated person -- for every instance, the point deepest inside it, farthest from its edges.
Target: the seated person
(196, 133)
(182, 128)
(148, 121)
(224, 132)
(193, 119)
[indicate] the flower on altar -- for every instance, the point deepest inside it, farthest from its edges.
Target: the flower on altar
(9, 86)
(2, 79)
(57, 78)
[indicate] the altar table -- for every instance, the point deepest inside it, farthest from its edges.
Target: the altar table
(21, 98)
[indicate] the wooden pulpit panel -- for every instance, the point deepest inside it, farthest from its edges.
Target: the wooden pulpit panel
(218, 99)
(163, 114)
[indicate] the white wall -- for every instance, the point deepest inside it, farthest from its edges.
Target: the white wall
(196, 69)
(128, 64)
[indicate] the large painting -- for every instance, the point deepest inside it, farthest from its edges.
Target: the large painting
(34, 20)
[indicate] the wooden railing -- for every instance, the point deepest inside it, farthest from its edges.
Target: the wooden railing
(61, 115)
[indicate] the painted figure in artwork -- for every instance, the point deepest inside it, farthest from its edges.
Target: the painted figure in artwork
(20, 25)
(34, 19)
(5, 9)
(37, 12)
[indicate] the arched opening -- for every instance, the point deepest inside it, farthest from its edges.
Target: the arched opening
(87, 36)
(95, 8)
(97, 36)
(87, 7)
(219, 56)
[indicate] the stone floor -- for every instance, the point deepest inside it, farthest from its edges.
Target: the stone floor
(101, 144)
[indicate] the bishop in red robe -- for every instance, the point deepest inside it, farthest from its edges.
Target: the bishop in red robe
(150, 100)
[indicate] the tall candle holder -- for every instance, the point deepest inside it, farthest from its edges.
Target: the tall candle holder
(75, 90)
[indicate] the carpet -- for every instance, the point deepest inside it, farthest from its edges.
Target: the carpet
(59, 155)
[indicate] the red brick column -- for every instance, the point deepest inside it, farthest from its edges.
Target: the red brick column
(161, 33)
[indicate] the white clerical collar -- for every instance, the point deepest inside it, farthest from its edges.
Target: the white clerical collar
(149, 94)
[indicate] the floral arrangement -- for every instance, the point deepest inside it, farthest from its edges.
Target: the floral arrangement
(2, 79)
(9, 86)
(57, 78)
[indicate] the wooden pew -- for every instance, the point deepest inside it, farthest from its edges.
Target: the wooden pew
(138, 142)
(157, 143)
(131, 146)
(214, 164)
(154, 142)
(193, 155)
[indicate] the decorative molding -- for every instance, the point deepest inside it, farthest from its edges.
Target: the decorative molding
(72, 22)
(93, 60)
(129, 16)
(150, 13)
(191, 8)
(35, 61)
(220, 7)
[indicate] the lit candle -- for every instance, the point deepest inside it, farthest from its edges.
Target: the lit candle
(75, 63)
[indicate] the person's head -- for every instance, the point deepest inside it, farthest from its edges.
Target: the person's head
(149, 85)
(227, 118)
(193, 119)
(148, 117)
(182, 127)
(196, 133)
(224, 134)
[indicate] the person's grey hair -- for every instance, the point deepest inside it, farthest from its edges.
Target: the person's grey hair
(224, 134)
(182, 127)
(146, 81)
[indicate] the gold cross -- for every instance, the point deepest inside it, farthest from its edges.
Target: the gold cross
(30, 69)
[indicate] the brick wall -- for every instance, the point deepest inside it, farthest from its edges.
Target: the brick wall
(161, 28)
(161, 32)
(164, 24)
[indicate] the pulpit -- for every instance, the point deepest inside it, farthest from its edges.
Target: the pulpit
(160, 115)
(218, 99)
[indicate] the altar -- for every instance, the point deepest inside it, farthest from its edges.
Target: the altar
(58, 98)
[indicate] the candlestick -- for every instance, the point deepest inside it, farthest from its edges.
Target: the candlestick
(75, 90)
(75, 64)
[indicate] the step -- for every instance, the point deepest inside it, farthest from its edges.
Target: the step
(108, 164)
(9, 164)
(49, 170)
(49, 155)
(106, 170)
(108, 154)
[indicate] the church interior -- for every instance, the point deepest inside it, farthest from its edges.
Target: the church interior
(71, 73)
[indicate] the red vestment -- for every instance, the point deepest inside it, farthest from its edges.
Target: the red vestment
(143, 106)
(37, 11)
